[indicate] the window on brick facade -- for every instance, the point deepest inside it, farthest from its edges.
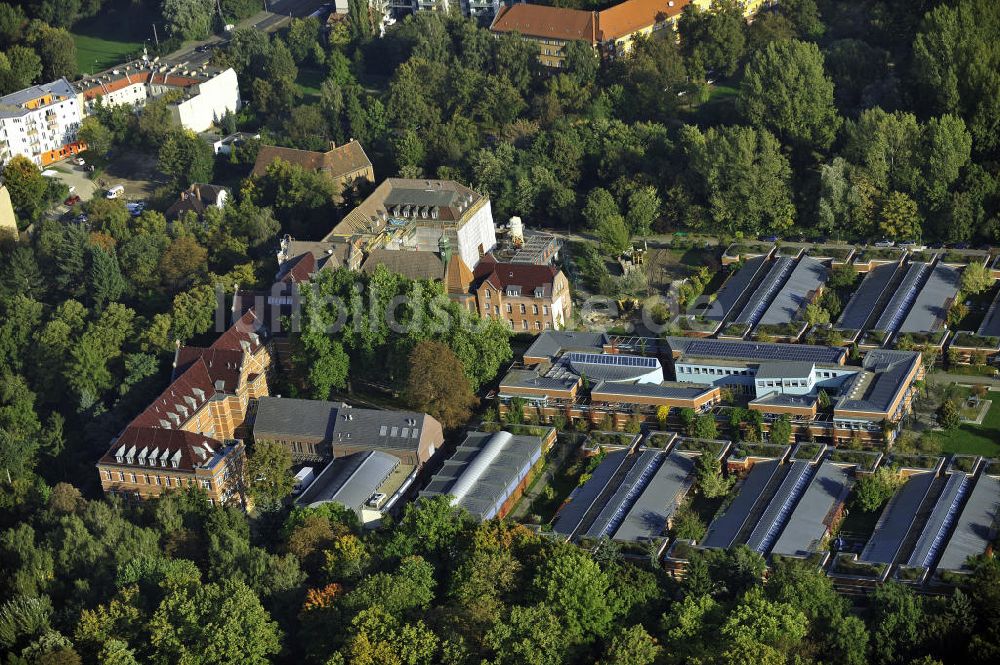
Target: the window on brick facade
(534, 310)
(509, 308)
(524, 324)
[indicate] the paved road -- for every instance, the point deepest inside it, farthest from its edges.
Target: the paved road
(945, 377)
(277, 14)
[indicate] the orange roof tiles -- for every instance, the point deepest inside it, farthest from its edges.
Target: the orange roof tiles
(547, 22)
(632, 15)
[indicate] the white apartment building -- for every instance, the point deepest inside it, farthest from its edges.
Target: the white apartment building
(40, 123)
(207, 94)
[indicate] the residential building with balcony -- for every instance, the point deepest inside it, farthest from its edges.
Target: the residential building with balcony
(40, 123)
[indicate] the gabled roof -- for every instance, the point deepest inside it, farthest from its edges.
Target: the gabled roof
(625, 18)
(298, 269)
(458, 277)
(527, 277)
(188, 449)
(547, 22)
(413, 264)
(338, 161)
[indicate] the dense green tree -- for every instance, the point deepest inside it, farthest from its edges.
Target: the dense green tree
(643, 209)
(956, 58)
(785, 90)
(900, 217)
(872, 491)
(188, 19)
(185, 158)
(437, 384)
(531, 635)
(575, 588)
(269, 476)
(742, 177)
(57, 49)
(976, 278)
(105, 281)
(781, 431)
(27, 186)
(19, 68)
(713, 40)
(896, 616)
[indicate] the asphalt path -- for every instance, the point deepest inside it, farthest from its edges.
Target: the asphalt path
(278, 13)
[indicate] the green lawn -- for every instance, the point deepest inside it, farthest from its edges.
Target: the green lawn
(975, 439)
(95, 53)
(309, 81)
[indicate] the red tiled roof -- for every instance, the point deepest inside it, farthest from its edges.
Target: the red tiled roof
(339, 162)
(195, 449)
(528, 277)
(547, 22)
(301, 269)
(183, 391)
(247, 329)
(625, 18)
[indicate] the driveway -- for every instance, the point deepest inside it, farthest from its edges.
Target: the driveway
(76, 178)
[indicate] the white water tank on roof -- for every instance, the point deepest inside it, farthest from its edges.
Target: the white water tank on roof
(516, 230)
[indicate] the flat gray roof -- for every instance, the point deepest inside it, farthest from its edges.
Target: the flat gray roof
(902, 298)
(808, 275)
(648, 517)
(753, 351)
(976, 525)
(625, 494)
(490, 480)
(584, 497)
(724, 529)
(809, 522)
(768, 289)
(284, 417)
(862, 304)
(991, 323)
(780, 507)
(940, 521)
(727, 297)
(896, 520)
(350, 480)
(930, 310)
(551, 343)
(665, 390)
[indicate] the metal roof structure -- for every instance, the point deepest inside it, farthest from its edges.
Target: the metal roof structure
(903, 297)
(551, 343)
(727, 297)
(809, 522)
(725, 528)
(808, 275)
(975, 527)
(896, 520)
(756, 351)
(766, 291)
(773, 520)
(584, 497)
(781, 369)
(663, 391)
(649, 515)
(941, 520)
(485, 471)
(614, 367)
(350, 480)
(930, 310)
(884, 378)
(634, 482)
(990, 326)
(862, 304)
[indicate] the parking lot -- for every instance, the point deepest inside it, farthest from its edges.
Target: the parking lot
(136, 172)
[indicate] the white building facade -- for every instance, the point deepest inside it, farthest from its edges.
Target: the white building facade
(40, 123)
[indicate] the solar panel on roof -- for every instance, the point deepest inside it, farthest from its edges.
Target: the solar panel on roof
(749, 350)
(613, 359)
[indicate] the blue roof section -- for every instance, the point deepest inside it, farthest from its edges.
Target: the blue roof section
(862, 304)
(655, 506)
(583, 498)
(976, 526)
(613, 512)
(902, 298)
(810, 520)
(940, 521)
(778, 511)
(725, 528)
(734, 288)
(756, 351)
(762, 296)
(930, 310)
(991, 323)
(808, 275)
(896, 520)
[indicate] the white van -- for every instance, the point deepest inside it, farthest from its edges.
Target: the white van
(303, 479)
(115, 191)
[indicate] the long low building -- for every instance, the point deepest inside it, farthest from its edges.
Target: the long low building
(630, 497)
(725, 530)
(930, 309)
(869, 298)
(975, 528)
(940, 520)
(813, 516)
(896, 520)
(315, 430)
(368, 483)
(488, 472)
(802, 287)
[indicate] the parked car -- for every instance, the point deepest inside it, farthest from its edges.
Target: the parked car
(72, 200)
(115, 192)
(885, 243)
(80, 161)
(912, 245)
(770, 238)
